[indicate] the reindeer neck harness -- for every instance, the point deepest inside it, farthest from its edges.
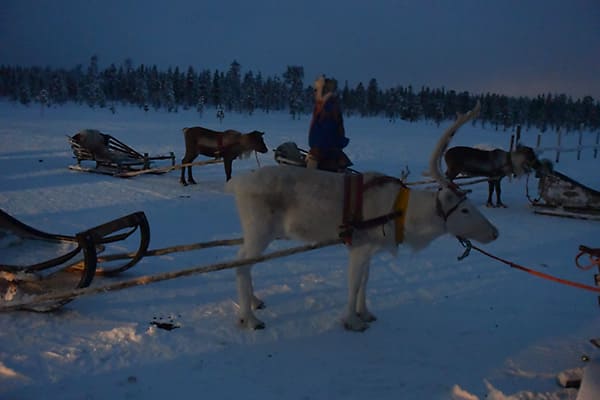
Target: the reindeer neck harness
(354, 189)
(438, 204)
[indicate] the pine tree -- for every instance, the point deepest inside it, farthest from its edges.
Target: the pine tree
(93, 91)
(168, 92)
(205, 86)
(294, 75)
(190, 92)
(249, 93)
(141, 92)
(232, 87)
(360, 99)
(347, 100)
(216, 93)
(373, 106)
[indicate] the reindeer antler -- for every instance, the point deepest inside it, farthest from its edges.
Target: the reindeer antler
(435, 162)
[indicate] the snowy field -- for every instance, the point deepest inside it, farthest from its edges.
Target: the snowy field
(470, 329)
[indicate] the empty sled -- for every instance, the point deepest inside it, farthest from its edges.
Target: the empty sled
(289, 153)
(35, 262)
(111, 156)
(563, 196)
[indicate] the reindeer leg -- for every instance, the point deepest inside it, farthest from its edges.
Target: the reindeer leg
(247, 299)
(357, 262)
(499, 202)
(361, 305)
(490, 192)
(227, 164)
(182, 178)
(190, 177)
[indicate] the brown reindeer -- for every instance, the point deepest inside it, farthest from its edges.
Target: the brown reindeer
(227, 145)
(493, 164)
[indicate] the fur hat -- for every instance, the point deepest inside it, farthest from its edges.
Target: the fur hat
(324, 88)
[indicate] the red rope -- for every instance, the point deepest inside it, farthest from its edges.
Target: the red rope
(538, 273)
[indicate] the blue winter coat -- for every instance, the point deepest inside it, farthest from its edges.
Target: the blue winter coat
(327, 134)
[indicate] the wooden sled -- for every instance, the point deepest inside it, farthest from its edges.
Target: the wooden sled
(116, 158)
(43, 262)
(562, 196)
(289, 153)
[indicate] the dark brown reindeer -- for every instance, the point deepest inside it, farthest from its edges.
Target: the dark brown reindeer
(493, 164)
(227, 145)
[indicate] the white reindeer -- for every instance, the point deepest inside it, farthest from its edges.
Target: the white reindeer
(297, 203)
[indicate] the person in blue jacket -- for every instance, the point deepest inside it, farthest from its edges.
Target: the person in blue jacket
(327, 137)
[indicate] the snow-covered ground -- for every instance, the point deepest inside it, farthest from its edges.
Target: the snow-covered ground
(446, 329)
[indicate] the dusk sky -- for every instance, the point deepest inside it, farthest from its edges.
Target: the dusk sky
(508, 46)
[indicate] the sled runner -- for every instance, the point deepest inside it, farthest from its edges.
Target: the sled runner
(35, 262)
(111, 156)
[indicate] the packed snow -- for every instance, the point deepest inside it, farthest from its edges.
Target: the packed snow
(446, 329)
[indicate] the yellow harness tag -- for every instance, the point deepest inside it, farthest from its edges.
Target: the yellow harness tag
(400, 206)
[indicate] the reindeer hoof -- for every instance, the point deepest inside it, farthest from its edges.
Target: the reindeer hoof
(489, 204)
(251, 323)
(367, 317)
(501, 205)
(355, 324)
(183, 183)
(258, 304)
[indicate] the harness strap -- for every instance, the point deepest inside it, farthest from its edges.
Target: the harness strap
(400, 206)
(382, 180)
(377, 221)
(353, 198)
(445, 214)
(354, 189)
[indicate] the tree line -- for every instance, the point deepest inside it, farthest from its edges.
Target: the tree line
(234, 90)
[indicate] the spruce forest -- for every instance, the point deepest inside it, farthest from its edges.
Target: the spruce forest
(234, 90)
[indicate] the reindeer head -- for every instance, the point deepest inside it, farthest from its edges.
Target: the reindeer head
(257, 142)
(523, 160)
(462, 218)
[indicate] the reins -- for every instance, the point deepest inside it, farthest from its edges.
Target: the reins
(594, 255)
(257, 160)
(468, 246)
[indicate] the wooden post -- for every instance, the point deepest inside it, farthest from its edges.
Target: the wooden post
(538, 142)
(597, 281)
(558, 147)
(518, 140)
(512, 142)
(597, 142)
(579, 147)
